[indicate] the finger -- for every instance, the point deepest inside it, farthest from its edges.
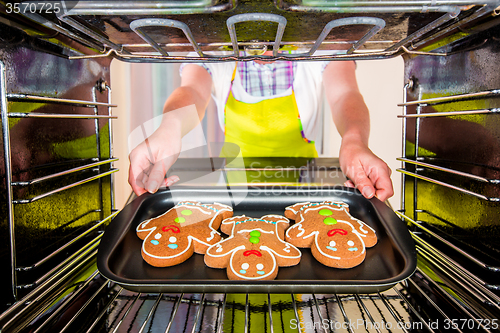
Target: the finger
(157, 175)
(171, 180)
(383, 183)
(361, 181)
(138, 166)
(349, 183)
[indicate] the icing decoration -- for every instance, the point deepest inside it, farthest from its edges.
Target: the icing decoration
(250, 252)
(261, 272)
(172, 239)
(245, 266)
(255, 233)
(242, 271)
(254, 240)
(333, 232)
(332, 243)
(172, 246)
(158, 236)
(187, 212)
(350, 243)
(155, 242)
(260, 267)
(325, 212)
(331, 248)
(329, 221)
(172, 228)
(353, 249)
(180, 219)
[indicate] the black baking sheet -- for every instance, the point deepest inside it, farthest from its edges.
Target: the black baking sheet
(391, 260)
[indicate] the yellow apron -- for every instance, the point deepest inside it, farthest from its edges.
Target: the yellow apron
(270, 128)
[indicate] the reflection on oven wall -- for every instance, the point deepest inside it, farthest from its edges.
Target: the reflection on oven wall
(140, 90)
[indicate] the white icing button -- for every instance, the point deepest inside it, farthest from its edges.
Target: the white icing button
(245, 266)
(219, 249)
(172, 239)
(158, 236)
(350, 243)
(332, 243)
(260, 267)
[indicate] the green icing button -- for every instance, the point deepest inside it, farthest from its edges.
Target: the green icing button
(254, 240)
(329, 221)
(255, 233)
(186, 212)
(180, 219)
(325, 212)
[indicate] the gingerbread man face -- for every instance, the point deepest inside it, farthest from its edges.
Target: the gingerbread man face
(188, 227)
(335, 237)
(255, 248)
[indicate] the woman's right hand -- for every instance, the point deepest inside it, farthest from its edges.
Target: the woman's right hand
(150, 161)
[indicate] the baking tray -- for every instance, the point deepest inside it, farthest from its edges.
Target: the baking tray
(391, 260)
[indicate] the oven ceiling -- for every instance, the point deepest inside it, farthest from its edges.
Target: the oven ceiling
(153, 30)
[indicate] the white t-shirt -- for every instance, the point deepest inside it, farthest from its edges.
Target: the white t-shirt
(307, 85)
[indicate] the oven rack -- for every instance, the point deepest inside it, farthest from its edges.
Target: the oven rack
(420, 162)
(43, 267)
(68, 22)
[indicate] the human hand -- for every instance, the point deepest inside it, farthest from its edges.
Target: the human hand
(150, 161)
(365, 171)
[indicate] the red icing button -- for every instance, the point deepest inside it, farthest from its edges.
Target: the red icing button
(250, 252)
(172, 228)
(336, 231)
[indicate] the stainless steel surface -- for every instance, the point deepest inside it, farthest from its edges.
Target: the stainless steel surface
(408, 25)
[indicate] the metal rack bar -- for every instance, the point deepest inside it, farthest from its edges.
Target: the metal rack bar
(449, 297)
(437, 182)
(174, 312)
(256, 17)
(150, 7)
(316, 305)
(297, 318)
(27, 201)
(344, 314)
(365, 309)
(198, 317)
(448, 170)
(57, 116)
(451, 245)
(222, 311)
(39, 99)
(452, 98)
(247, 313)
(63, 173)
(110, 151)
(460, 281)
(270, 311)
(65, 246)
(487, 8)
(412, 309)
(104, 311)
(392, 312)
(450, 113)
(8, 177)
(473, 283)
(150, 313)
(126, 312)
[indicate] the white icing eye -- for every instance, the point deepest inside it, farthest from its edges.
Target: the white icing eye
(172, 239)
(245, 266)
(158, 236)
(332, 243)
(350, 243)
(260, 267)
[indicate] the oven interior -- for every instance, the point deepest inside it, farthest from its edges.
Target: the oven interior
(58, 161)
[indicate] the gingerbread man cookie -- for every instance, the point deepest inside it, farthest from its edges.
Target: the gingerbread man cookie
(255, 248)
(188, 227)
(336, 238)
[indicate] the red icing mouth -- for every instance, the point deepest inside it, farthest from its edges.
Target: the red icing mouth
(172, 228)
(250, 252)
(336, 231)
